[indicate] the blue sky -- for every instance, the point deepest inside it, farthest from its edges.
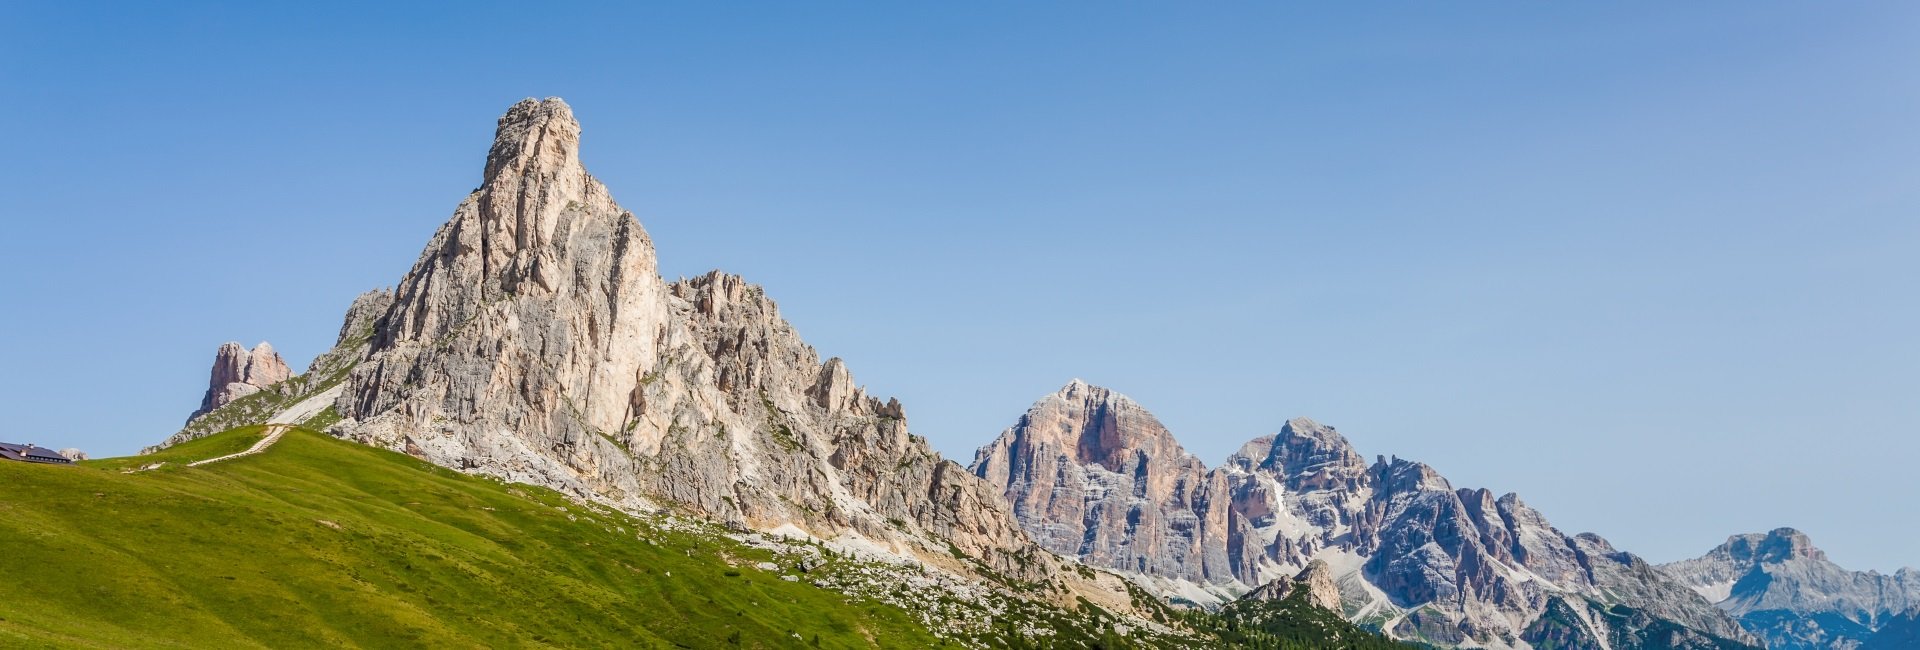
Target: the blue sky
(1651, 265)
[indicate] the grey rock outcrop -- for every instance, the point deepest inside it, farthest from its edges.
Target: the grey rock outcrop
(73, 454)
(297, 394)
(356, 329)
(238, 372)
(1316, 579)
(1405, 549)
(534, 340)
(1785, 590)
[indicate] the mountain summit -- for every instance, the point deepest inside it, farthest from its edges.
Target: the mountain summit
(1786, 590)
(1091, 474)
(535, 340)
(239, 372)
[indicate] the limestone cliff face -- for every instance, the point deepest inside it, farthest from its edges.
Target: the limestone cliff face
(238, 372)
(1091, 473)
(535, 340)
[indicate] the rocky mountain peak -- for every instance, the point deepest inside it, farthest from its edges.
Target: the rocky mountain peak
(1078, 390)
(1097, 425)
(1091, 474)
(1786, 590)
(534, 138)
(535, 340)
(1777, 545)
(1305, 455)
(1393, 541)
(1743, 552)
(239, 372)
(265, 367)
(1401, 475)
(535, 205)
(229, 365)
(1715, 574)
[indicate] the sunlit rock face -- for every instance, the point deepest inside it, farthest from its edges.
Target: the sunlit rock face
(239, 372)
(535, 340)
(1316, 579)
(1092, 474)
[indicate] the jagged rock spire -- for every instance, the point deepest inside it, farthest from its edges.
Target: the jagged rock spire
(238, 372)
(534, 138)
(535, 340)
(548, 286)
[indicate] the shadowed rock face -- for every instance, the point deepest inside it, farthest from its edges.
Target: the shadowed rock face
(535, 340)
(1784, 589)
(238, 372)
(1092, 474)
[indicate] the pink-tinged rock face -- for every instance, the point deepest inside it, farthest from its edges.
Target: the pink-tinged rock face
(229, 365)
(265, 367)
(1092, 474)
(238, 373)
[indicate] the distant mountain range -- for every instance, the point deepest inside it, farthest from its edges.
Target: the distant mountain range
(1786, 591)
(534, 341)
(1092, 475)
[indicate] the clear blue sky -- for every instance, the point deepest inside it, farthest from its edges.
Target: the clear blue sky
(1652, 265)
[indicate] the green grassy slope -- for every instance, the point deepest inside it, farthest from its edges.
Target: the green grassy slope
(319, 542)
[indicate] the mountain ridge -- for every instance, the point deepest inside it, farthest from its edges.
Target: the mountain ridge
(1409, 552)
(1786, 590)
(535, 341)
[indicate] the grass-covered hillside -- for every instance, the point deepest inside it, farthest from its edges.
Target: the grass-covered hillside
(317, 542)
(324, 543)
